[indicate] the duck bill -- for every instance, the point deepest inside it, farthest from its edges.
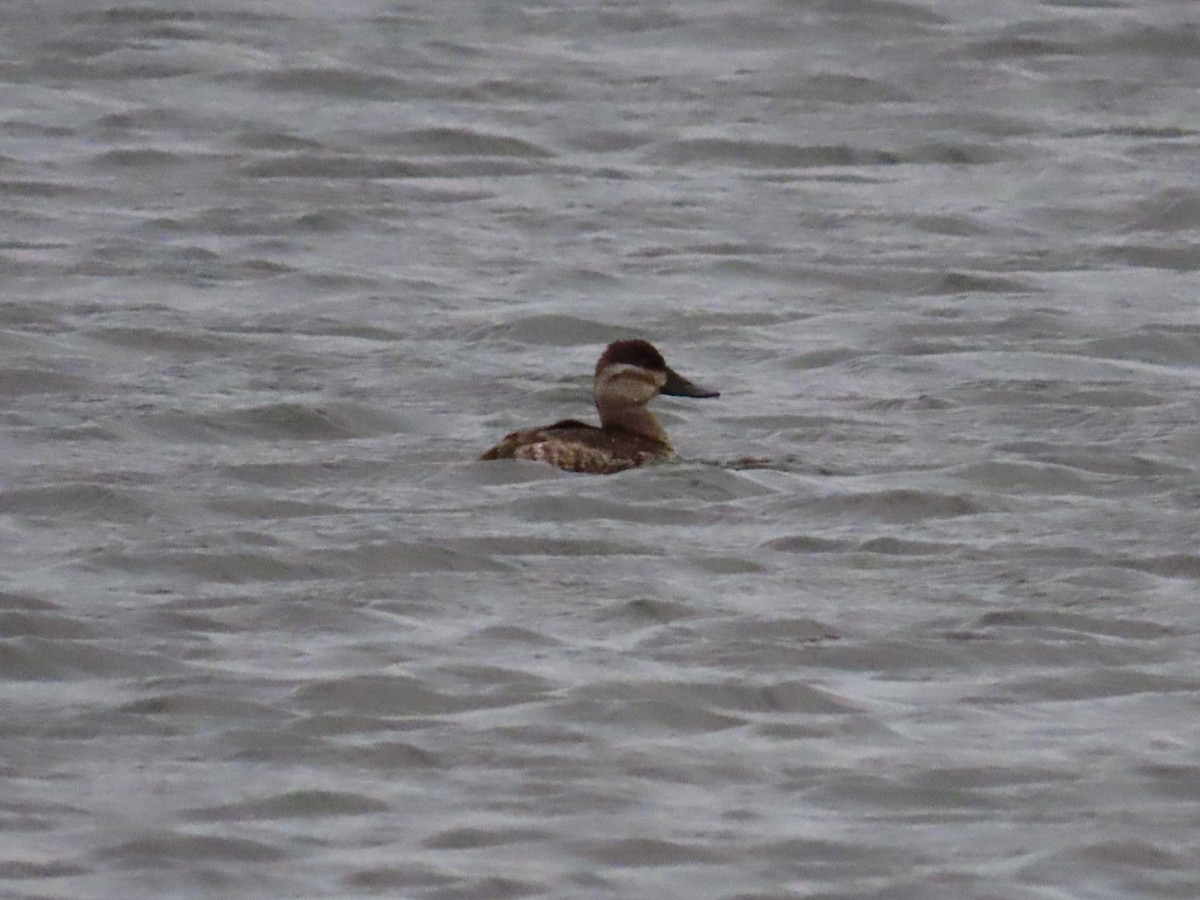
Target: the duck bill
(678, 386)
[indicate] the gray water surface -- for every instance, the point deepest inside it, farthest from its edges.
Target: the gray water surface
(913, 616)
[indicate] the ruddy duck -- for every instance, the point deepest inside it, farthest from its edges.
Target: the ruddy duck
(628, 376)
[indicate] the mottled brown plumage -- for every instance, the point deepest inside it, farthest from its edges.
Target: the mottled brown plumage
(628, 376)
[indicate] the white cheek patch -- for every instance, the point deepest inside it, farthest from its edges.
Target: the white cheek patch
(632, 382)
(620, 369)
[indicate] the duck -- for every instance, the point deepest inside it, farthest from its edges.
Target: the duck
(629, 374)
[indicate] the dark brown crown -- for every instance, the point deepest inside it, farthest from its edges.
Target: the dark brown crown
(632, 353)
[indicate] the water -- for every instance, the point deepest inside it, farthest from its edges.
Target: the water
(274, 274)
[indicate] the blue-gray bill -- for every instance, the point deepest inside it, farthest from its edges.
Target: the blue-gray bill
(678, 386)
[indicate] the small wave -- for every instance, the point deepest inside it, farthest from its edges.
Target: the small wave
(467, 142)
(633, 852)
(556, 330)
(780, 632)
(894, 505)
(1178, 258)
(1080, 623)
(1173, 565)
(191, 849)
(403, 695)
(718, 704)
(646, 610)
(354, 84)
(771, 155)
(140, 158)
(298, 804)
(468, 838)
(804, 543)
(892, 13)
(1029, 477)
(39, 189)
(51, 659)
(40, 870)
(1099, 460)
(273, 422)
(766, 154)
(1171, 347)
(412, 876)
(1152, 41)
(215, 566)
(392, 557)
(310, 165)
(207, 706)
(15, 382)
(161, 340)
(1089, 683)
(891, 546)
(42, 624)
(976, 283)
(92, 501)
(1176, 209)
(834, 87)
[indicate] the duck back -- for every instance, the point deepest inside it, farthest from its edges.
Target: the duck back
(579, 447)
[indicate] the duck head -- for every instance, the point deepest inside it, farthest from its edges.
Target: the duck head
(629, 375)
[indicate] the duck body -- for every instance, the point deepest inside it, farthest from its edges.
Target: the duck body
(578, 447)
(628, 376)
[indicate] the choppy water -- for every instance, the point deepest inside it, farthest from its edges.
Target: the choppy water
(275, 273)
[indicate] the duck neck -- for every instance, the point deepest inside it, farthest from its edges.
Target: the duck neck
(632, 418)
